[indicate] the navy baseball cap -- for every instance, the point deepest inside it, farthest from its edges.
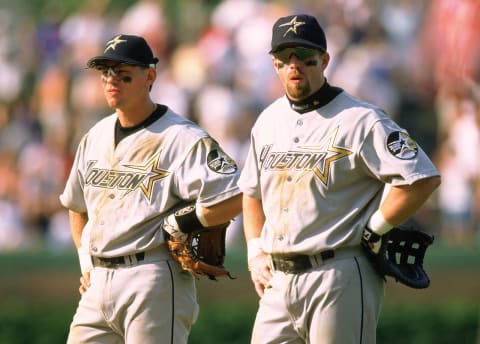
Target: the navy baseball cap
(128, 49)
(299, 29)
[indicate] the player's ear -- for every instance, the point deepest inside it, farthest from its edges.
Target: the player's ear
(151, 76)
(325, 60)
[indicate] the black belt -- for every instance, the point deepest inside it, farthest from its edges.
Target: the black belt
(115, 262)
(299, 263)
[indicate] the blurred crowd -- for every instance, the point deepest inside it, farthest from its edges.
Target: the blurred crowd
(418, 59)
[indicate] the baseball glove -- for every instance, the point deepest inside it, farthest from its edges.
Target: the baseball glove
(202, 252)
(401, 255)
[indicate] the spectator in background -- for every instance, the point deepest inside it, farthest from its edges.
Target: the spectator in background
(202, 45)
(447, 71)
(83, 31)
(12, 231)
(226, 117)
(448, 44)
(147, 18)
(459, 163)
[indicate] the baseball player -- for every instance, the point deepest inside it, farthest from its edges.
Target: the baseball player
(313, 185)
(131, 171)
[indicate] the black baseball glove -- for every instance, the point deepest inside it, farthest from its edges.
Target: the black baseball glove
(401, 254)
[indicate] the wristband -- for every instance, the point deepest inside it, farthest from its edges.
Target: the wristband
(254, 248)
(85, 260)
(187, 219)
(378, 224)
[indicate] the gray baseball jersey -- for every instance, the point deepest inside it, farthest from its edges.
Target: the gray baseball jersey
(126, 189)
(321, 174)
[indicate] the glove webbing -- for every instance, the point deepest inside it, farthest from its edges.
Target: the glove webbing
(407, 246)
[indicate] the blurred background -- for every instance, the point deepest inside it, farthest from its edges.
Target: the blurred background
(418, 59)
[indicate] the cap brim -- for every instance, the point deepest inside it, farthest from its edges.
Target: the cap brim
(295, 43)
(101, 60)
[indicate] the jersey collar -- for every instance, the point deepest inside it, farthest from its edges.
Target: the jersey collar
(322, 97)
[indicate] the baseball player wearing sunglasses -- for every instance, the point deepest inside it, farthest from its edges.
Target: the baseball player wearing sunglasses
(134, 169)
(324, 171)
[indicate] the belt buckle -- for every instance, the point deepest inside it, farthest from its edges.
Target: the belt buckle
(285, 265)
(292, 264)
(112, 263)
(109, 263)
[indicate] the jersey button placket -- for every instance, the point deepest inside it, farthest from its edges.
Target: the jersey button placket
(281, 237)
(297, 129)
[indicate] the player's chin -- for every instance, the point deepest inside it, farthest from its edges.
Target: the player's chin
(113, 102)
(298, 91)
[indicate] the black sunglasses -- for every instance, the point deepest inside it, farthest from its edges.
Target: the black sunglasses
(301, 53)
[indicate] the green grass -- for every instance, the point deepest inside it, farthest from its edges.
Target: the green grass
(442, 323)
(27, 261)
(222, 323)
(442, 257)
(38, 296)
(25, 321)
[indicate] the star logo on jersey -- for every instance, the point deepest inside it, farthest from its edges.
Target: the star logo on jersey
(332, 154)
(153, 173)
(112, 44)
(293, 25)
(312, 158)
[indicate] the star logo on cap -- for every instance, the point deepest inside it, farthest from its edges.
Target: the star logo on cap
(293, 24)
(114, 42)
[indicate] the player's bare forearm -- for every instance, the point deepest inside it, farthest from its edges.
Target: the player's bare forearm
(403, 201)
(223, 212)
(253, 217)
(77, 223)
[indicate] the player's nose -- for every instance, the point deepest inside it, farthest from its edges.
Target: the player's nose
(293, 60)
(110, 79)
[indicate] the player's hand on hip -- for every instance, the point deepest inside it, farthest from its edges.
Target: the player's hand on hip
(84, 282)
(260, 273)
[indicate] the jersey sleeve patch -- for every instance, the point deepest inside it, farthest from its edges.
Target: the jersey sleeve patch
(219, 162)
(402, 146)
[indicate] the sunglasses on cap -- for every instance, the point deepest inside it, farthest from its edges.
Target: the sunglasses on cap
(301, 53)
